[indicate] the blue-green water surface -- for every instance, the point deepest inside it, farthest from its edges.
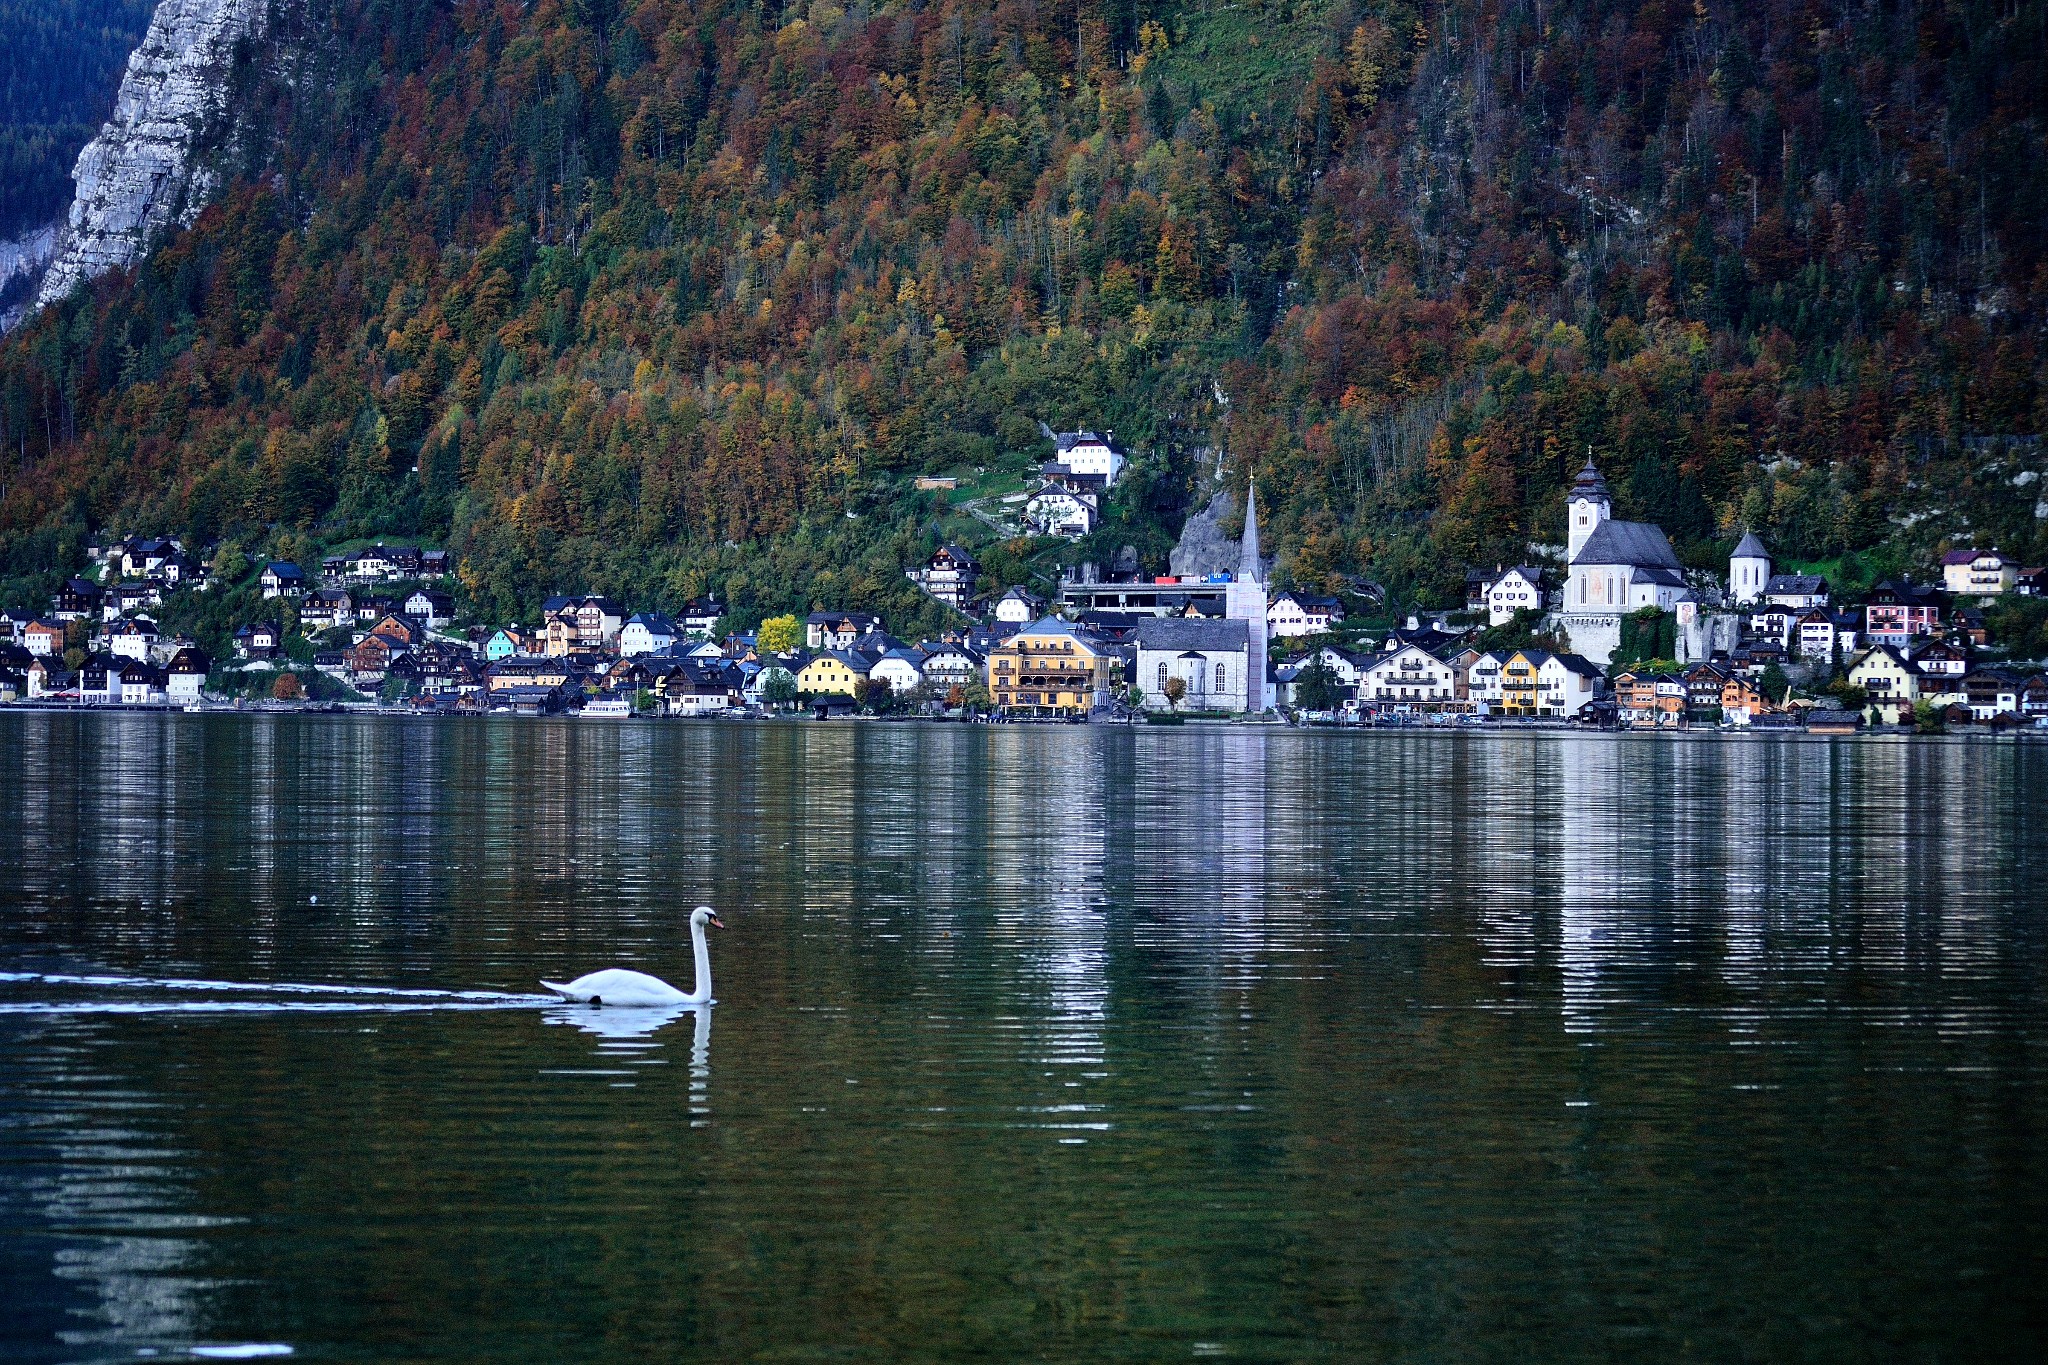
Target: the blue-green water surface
(1033, 1043)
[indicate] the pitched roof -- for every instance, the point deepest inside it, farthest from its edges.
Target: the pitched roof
(1670, 578)
(1628, 542)
(1750, 548)
(1805, 583)
(1187, 632)
(1067, 440)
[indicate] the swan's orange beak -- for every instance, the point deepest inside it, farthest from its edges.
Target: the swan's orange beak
(716, 922)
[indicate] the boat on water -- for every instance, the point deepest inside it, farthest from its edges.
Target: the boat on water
(607, 708)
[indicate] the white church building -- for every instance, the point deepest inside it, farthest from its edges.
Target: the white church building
(1617, 567)
(1221, 663)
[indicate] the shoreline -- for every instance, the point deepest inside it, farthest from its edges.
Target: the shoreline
(1502, 727)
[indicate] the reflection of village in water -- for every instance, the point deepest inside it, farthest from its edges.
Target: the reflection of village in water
(1228, 854)
(1053, 879)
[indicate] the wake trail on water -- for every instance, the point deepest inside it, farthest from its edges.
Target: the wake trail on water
(335, 997)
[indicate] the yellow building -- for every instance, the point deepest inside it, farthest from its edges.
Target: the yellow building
(830, 674)
(1047, 669)
(1521, 683)
(1891, 682)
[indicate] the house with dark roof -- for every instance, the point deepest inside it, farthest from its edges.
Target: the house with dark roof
(1517, 589)
(1798, 591)
(951, 575)
(1411, 679)
(645, 632)
(838, 629)
(186, 673)
(1298, 615)
(1086, 454)
(1979, 573)
(701, 616)
(1896, 612)
(77, 600)
(282, 578)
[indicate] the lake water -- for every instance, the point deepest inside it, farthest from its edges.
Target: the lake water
(1033, 1044)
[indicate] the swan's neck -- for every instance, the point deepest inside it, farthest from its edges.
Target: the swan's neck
(702, 952)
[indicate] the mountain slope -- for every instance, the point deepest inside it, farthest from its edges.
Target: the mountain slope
(651, 297)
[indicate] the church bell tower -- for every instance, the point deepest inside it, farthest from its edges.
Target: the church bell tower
(1585, 509)
(1246, 602)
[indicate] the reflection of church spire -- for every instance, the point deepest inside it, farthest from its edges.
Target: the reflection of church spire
(1248, 570)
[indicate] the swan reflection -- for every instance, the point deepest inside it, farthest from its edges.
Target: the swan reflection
(628, 1036)
(614, 1022)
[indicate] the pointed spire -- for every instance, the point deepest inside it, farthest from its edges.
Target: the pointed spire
(1248, 569)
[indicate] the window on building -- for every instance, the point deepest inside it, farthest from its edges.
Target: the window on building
(1162, 677)
(1219, 677)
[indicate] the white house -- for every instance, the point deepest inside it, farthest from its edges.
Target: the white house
(1749, 569)
(1774, 623)
(1345, 667)
(1296, 615)
(644, 633)
(1410, 678)
(44, 639)
(282, 578)
(1211, 658)
(436, 609)
(1482, 680)
(1820, 634)
(1566, 683)
(902, 669)
(1019, 608)
(948, 666)
(186, 675)
(141, 684)
(99, 679)
(701, 615)
(1084, 452)
(133, 639)
(1519, 589)
(838, 629)
(1057, 511)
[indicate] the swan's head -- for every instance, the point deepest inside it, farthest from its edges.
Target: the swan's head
(704, 915)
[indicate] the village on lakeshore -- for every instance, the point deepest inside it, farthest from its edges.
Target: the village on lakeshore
(1609, 630)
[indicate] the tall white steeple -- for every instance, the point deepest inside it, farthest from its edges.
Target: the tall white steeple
(1246, 601)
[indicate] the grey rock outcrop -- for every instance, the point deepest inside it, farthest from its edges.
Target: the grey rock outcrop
(1204, 548)
(22, 263)
(142, 174)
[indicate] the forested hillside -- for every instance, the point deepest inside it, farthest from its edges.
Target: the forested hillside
(60, 63)
(659, 296)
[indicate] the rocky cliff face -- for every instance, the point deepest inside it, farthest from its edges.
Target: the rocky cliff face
(22, 263)
(144, 173)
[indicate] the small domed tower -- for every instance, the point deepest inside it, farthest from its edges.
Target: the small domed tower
(1586, 508)
(1749, 570)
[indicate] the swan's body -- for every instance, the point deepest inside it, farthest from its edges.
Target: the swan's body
(617, 986)
(638, 990)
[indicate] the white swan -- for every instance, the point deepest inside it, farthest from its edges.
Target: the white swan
(617, 986)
